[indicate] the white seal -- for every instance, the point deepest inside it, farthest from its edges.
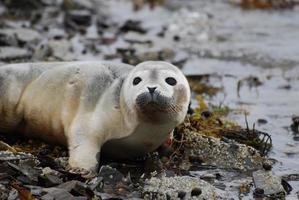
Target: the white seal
(126, 111)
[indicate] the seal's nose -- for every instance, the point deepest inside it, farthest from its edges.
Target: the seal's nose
(151, 89)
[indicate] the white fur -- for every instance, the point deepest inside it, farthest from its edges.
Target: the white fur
(85, 104)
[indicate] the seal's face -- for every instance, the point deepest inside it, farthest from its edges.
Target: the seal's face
(158, 92)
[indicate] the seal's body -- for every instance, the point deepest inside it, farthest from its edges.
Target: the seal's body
(85, 104)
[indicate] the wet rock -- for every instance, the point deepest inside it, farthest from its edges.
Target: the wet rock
(267, 182)
(267, 166)
(132, 58)
(259, 193)
(96, 184)
(74, 187)
(9, 54)
(152, 164)
(262, 121)
(22, 35)
(9, 156)
(134, 26)
(62, 161)
(13, 194)
(178, 187)
(49, 180)
(181, 194)
(295, 124)
(59, 49)
(78, 18)
(108, 38)
(110, 175)
(57, 194)
(3, 192)
(228, 154)
(28, 169)
(78, 4)
(56, 34)
(206, 114)
(35, 190)
(196, 192)
(291, 177)
(7, 39)
(22, 4)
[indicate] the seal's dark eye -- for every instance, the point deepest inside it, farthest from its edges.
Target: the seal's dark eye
(136, 80)
(171, 81)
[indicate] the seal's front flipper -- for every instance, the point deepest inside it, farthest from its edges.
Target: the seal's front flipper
(84, 157)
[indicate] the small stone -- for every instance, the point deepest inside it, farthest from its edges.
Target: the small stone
(181, 194)
(49, 180)
(267, 166)
(196, 192)
(262, 121)
(176, 38)
(110, 175)
(258, 192)
(134, 26)
(206, 114)
(79, 17)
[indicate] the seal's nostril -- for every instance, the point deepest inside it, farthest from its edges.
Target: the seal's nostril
(151, 89)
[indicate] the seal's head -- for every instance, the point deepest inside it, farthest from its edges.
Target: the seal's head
(157, 92)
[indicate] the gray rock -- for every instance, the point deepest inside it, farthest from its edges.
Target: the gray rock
(51, 180)
(28, 168)
(3, 192)
(79, 4)
(23, 5)
(110, 175)
(13, 53)
(73, 185)
(59, 49)
(79, 17)
(23, 35)
(35, 190)
(57, 194)
(9, 156)
(173, 187)
(267, 181)
(7, 39)
(96, 183)
(13, 194)
(228, 155)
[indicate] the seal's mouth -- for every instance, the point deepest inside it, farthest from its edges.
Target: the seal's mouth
(147, 102)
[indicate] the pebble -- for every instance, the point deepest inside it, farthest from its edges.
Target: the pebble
(79, 17)
(267, 166)
(181, 194)
(196, 192)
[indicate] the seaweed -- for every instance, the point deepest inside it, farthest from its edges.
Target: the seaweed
(212, 121)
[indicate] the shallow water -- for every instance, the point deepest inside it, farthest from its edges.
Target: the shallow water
(274, 37)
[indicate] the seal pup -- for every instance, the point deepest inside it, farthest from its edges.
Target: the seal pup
(124, 110)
